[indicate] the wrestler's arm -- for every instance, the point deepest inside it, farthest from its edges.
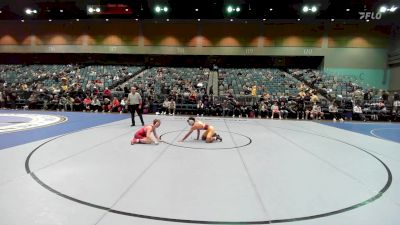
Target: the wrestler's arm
(155, 135)
(187, 135)
(148, 135)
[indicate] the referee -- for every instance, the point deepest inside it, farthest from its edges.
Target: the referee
(134, 103)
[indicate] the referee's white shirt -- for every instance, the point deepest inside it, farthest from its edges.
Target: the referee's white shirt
(134, 99)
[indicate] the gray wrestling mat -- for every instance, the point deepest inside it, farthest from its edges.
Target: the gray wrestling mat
(264, 171)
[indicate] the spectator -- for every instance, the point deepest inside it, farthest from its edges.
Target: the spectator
(314, 98)
(358, 113)
(2, 100)
(107, 93)
(396, 96)
(95, 105)
(396, 106)
(300, 108)
(283, 110)
(385, 96)
(333, 110)
(316, 112)
(87, 102)
(165, 106)
(172, 107)
(275, 110)
(115, 105)
(78, 104)
(200, 108)
(106, 105)
(123, 105)
(358, 96)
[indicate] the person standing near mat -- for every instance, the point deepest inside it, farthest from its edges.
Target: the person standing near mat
(209, 135)
(134, 103)
(147, 134)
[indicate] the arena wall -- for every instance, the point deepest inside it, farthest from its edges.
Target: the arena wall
(356, 50)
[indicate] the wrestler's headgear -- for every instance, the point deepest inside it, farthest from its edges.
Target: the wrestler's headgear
(191, 121)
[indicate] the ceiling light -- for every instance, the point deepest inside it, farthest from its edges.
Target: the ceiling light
(90, 10)
(270, 9)
(30, 11)
(198, 19)
(167, 20)
(313, 9)
(50, 20)
(77, 20)
(231, 20)
(161, 9)
(393, 8)
(305, 8)
(61, 10)
(196, 10)
(136, 19)
(347, 10)
(367, 20)
(107, 20)
(233, 9)
(98, 10)
(382, 9)
(126, 10)
(264, 19)
(332, 20)
(22, 20)
(298, 19)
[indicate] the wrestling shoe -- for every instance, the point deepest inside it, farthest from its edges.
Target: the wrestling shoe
(219, 138)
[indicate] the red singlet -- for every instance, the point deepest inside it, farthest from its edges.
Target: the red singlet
(141, 133)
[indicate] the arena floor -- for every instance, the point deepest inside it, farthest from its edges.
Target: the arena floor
(79, 168)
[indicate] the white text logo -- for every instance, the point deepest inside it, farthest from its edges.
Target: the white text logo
(370, 15)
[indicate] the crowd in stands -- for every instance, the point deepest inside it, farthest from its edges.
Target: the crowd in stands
(253, 93)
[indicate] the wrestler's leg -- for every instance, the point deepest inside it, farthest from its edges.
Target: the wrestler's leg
(210, 135)
(204, 136)
(141, 139)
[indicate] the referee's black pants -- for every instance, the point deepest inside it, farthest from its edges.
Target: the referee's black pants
(132, 109)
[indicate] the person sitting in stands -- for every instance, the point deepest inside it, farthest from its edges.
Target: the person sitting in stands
(172, 107)
(357, 112)
(316, 112)
(114, 106)
(333, 109)
(95, 105)
(283, 110)
(165, 106)
(275, 110)
(86, 103)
